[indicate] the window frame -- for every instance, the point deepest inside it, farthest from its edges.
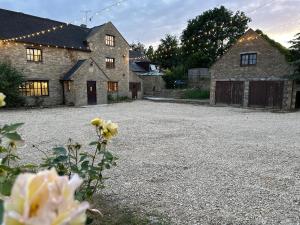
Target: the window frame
(27, 91)
(110, 64)
(110, 40)
(114, 85)
(250, 60)
(33, 55)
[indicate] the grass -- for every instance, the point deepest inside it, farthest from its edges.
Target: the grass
(114, 214)
(196, 94)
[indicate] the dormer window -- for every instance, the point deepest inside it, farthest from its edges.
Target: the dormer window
(34, 55)
(110, 40)
(248, 59)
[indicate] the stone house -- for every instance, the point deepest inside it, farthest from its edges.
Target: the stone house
(63, 63)
(253, 73)
(147, 73)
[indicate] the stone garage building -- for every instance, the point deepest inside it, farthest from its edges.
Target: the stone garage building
(63, 63)
(253, 73)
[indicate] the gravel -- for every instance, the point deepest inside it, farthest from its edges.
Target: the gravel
(192, 164)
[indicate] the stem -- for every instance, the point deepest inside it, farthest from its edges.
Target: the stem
(100, 173)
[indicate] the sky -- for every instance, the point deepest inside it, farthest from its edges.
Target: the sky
(147, 21)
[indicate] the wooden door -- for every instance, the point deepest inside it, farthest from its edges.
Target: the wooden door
(92, 92)
(134, 87)
(230, 92)
(297, 106)
(266, 94)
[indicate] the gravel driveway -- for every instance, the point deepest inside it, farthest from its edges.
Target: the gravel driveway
(194, 164)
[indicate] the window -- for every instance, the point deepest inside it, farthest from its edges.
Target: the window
(110, 63)
(34, 55)
(248, 59)
(112, 86)
(110, 40)
(35, 88)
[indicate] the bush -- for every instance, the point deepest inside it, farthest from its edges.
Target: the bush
(196, 94)
(10, 80)
(176, 73)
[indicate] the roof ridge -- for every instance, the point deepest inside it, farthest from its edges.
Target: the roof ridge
(43, 18)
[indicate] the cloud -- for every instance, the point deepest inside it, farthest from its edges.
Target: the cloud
(148, 21)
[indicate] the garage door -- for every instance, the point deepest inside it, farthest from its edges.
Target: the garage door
(266, 94)
(229, 92)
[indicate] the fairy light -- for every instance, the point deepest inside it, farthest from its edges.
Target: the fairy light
(57, 27)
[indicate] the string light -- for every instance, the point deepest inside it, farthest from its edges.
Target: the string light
(57, 27)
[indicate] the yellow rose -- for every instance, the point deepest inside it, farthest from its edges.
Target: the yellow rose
(46, 199)
(97, 122)
(109, 130)
(2, 97)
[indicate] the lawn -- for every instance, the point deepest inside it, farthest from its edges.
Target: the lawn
(192, 164)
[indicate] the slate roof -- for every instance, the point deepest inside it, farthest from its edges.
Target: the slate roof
(136, 68)
(14, 24)
(71, 72)
(138, 56)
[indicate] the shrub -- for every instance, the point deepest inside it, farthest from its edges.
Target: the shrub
(10, 80)
(176, 73)
(196, 94)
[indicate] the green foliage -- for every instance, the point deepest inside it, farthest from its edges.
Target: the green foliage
(138, 47)
(196, 94)
(176, 73)
(150, 53)
(10, 80)
(166, 52)
(295, 56)
(88, 165)
(198, 60)
(285, 51)
(117, 99)
(213, 32)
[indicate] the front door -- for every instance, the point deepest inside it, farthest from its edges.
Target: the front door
(297, 106)
(91, 92)
(134, 88)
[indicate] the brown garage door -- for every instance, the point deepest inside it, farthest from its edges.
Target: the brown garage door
(266, 94)
(230, 92)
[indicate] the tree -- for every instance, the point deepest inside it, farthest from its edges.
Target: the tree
(10, 80)
(150, 53)
(295, 55)
(213, 32)
(138, 47)
(167, 52)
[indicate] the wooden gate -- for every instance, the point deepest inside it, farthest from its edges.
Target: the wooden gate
(134, 87)
(266, 94)
(229, 92)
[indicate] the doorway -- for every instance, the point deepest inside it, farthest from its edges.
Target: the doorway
(91, 92)
(134, 87)
(297, 105)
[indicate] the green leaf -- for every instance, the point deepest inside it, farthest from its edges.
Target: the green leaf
(13, 136)
(94, 143)
(83, 157)
(5, 187)
(61, 158)
(60, 151)
(2, 149)
(108, 155)
(85, 165)
(12, 127)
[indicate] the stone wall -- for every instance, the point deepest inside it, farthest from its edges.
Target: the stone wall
(57, 61)
(120, 52)
(271, 65)
(152, 84)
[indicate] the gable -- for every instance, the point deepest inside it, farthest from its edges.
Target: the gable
(107, 28)
(270, 61)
